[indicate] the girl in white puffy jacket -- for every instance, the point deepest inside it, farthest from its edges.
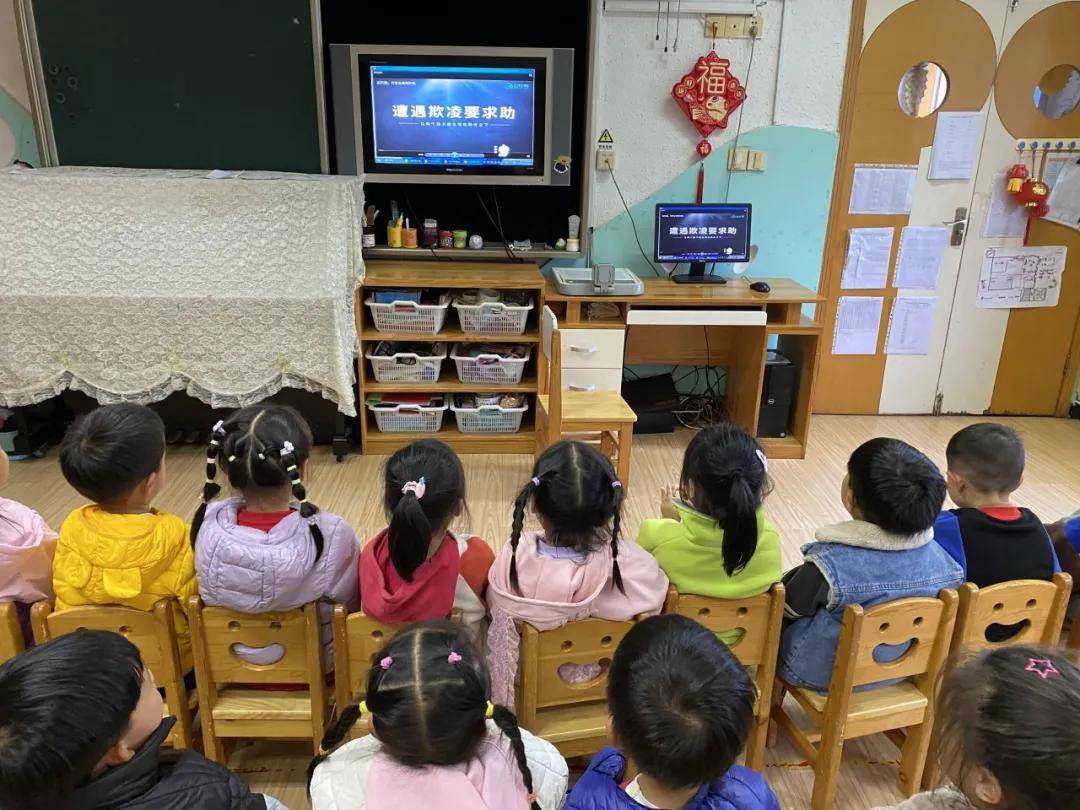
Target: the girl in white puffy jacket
(435, 739)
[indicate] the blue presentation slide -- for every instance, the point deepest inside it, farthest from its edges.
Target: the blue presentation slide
(687, 235)
(462, 116)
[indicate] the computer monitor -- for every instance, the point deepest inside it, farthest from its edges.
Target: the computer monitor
(702, 233)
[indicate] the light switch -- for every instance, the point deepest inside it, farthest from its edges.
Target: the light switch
(737, 160)
(757, 161)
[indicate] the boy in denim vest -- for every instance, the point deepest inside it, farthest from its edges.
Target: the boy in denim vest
(886, 552)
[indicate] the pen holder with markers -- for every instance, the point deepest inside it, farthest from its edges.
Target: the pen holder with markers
(393, 236)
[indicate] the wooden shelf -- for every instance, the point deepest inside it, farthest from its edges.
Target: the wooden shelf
(449, 336)
(523, 441)
(491, 250)
(454, 275)
(454, 385)
(805, 326)
(786, 447)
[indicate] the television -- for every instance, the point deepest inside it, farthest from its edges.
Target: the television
(432, 114)
(702, 233)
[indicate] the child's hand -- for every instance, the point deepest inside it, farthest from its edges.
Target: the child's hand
(667, 505)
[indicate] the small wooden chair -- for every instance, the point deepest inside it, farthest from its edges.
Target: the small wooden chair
(229, 709)
(1039, 605)
(759, 618)
(11, 637)
(571, 716)
(153, 632)
(581, 412)
(357, 637)
(845, 714)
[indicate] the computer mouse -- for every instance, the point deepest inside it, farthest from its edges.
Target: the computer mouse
(760, 286)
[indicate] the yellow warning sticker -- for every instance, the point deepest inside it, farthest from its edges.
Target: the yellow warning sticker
(605, 137)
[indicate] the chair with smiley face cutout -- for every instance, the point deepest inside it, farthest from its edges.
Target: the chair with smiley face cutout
(230, 707)
(571, 716)
(904, 711)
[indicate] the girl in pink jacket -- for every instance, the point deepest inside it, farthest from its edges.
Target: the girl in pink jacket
(27, 545)
(577, 567)
(270, 548)
(434, 738)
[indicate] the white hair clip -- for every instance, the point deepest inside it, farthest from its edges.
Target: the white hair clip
(764, 461)
(218, 427)
(286, 447)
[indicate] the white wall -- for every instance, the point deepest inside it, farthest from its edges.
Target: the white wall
(12, 81)
(796, 79)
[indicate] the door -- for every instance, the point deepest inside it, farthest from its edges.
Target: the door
(909, 62)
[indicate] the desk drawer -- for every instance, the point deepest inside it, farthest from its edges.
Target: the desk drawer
(592, 348)
(592, 379)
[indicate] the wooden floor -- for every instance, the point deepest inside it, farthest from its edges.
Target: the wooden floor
(806, 495)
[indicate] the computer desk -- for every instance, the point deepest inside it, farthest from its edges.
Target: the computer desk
(698, 324)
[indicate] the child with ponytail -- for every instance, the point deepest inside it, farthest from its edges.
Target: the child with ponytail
(714, 539)
(269, 548)
(577, 567)
(436, 739)
(416, 568)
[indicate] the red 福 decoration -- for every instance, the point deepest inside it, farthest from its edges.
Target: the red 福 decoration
(708, 94)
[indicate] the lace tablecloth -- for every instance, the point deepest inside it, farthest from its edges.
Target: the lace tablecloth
(132, 284)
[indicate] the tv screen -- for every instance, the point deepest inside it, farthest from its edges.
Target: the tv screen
(447, 115)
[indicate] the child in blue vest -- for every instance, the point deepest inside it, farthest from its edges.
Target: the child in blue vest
(885, 552)
(992, 540)
(681, 709)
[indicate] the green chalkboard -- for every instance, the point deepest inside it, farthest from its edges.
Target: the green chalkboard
(207, 84)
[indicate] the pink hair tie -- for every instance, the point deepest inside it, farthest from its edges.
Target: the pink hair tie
(417, 488)
(536, 482)
(453, 658)
(1043, 667)
(387, 662)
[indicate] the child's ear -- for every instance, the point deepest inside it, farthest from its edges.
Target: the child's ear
(115, 756)
(985, 786)
(612, 736)
(459, 509)
(847, 497)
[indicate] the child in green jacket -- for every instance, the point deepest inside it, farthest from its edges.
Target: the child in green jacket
(714, 539)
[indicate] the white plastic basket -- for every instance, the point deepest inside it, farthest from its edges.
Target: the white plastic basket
(408, 418)
(489, 419)
(392, 368)
(489, 368)
(408, 316)
(493, 318)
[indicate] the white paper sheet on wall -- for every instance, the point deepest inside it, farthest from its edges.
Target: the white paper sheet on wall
(1020, 277)
(957, 136)
(882, 189)
(918, 262)
(911, 323)
(1004, 215)
(867, 263)
(857, 321)
(1064, 199)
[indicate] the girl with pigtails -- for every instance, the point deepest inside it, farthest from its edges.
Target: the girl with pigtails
(416, 568)
(578, 566)
(433, 737)
(268, 547)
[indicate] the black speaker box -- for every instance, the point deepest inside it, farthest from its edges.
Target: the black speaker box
(777, 396)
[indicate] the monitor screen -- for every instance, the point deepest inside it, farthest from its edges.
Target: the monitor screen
(453, 116)
(705, 232)
(447, 115)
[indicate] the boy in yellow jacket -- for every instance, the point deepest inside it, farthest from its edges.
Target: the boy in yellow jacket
(119, 550)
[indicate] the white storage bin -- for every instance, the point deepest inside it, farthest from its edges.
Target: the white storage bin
(489, 418)
(408, 418)
(489, 368)
(392, 368)
(408, 316)
(493, 318)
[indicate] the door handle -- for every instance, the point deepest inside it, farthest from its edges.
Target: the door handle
(959, 225)
(582, 387)
(584, 349)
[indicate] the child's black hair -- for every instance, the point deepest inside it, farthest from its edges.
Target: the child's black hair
(261, 446)
(63, 705)
(724, 477)
(108, 452)
(895, 486)
(414, 519)
(573, 486)
(990, 456)
(428, 693)
(681, 704)
(1012, 710)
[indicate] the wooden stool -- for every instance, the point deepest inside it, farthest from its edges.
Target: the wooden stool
(602, 413)
(759, 618)
(11, 637)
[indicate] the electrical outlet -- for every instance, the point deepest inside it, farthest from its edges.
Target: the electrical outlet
(732, 26)
(605, 159)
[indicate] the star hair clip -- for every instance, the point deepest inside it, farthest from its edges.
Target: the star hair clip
(1043, 667)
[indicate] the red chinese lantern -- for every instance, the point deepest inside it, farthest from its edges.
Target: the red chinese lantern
(1032, 192)
(1017, 174)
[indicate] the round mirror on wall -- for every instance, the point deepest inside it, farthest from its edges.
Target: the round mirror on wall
(1058, 91)
(922, 89)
